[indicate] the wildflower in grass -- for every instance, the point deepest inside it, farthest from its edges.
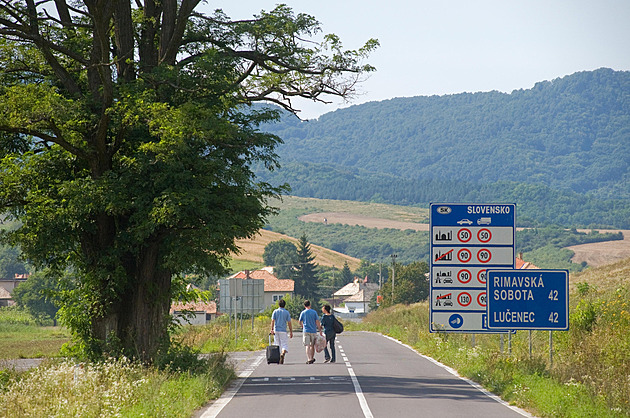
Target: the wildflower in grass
(69, 389)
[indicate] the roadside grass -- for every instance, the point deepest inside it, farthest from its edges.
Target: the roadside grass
(111, 388)
(31, 341)
(586, 376)
(219, 335)
(60, 387)
(22, 336)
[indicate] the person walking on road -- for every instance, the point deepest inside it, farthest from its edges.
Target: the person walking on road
(309, 320)
(327, 322)
(280, 319)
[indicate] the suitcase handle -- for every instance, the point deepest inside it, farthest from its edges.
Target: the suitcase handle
(269, 338)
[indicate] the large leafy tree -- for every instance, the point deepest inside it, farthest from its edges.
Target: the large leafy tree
(38, 295)
(127, 146)
(282, 255)
(411, 284)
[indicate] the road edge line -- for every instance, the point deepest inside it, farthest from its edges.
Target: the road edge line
(465, 379)
(217, 406)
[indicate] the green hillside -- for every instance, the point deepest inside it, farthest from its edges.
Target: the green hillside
(544, 246)
(561, 150)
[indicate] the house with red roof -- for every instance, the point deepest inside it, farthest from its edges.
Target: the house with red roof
(522, 264)
(274, 288)
(194, 313)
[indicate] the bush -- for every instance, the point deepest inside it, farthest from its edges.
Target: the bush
(15, 315)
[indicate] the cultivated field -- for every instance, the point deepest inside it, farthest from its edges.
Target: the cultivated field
(602, 253)
(353, 219)
(375, 215)
(595, 254)
(253, 249)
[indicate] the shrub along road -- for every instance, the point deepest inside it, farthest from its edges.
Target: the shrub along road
(374, 376)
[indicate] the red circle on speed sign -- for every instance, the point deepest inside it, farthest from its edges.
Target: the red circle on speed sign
(481, 276)
(464, 299)
(481, 299)
(484, 255)
(464, 276)
(464, 235)
(464, 255)
(484, 235)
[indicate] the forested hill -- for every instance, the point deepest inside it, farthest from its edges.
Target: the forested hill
(568, 137)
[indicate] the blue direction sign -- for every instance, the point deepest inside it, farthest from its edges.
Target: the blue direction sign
(528, 299)
(466, 241)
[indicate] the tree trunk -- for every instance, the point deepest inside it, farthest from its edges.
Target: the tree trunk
(138, 322)
(143, 326)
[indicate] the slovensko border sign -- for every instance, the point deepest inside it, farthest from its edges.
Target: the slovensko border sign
(528, 299)
(466, 241)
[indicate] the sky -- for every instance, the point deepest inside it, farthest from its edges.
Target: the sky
(444, 47)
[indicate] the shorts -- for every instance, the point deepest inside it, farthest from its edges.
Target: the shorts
(281, 339)
(308, 338)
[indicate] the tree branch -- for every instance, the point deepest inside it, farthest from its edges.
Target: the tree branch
(48, 138)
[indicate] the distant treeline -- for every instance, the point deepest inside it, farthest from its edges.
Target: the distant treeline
(536, 203)
(560, 150)
(377, 245)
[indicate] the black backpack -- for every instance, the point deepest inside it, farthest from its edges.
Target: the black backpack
(337, 326)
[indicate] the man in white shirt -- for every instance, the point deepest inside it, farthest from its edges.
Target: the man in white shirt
(280, 318)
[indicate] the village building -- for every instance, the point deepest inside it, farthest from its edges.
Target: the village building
(522, 264)
(274, 288)
(194, 313)
(7, 286)
(353, 299)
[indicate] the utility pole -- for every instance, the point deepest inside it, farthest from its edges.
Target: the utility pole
(393, 274)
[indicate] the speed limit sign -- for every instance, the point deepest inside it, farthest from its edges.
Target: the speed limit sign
(484, 255)
(467, 240)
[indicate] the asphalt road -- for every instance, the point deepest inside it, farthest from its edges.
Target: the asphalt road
(374, 376)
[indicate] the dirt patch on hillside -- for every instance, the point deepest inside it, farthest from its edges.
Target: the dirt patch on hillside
(602, 253)
(361, 220)
(595, 254)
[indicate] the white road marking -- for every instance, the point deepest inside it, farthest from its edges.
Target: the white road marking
(470, 382)
(214, 409)
(357, 389)
(295, 384)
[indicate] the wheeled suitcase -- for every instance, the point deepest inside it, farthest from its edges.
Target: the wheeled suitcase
(273, 352)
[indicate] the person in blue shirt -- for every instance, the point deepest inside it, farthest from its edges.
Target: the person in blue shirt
(327, 322)
(309, 320)
(280, 319)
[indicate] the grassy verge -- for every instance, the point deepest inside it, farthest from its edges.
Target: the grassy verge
(112, 388)
(588, 375)
(219, 336)
(22, 336)
(31, 341)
